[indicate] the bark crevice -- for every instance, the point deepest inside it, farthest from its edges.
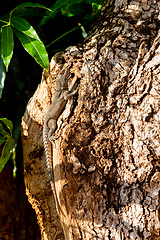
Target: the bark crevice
(106, 158)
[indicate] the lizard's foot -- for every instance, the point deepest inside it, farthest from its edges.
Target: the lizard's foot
(53, 137)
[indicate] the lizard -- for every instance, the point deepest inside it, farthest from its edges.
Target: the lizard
(62, 94)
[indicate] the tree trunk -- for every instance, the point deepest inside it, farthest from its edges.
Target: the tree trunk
(107, 149)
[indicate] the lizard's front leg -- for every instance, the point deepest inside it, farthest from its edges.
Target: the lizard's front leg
(67, 96)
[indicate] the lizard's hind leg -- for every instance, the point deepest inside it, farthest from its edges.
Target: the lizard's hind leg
(52, 124)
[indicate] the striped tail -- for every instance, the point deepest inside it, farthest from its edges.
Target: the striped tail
(49, 165)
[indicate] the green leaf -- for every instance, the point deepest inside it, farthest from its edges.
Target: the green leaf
(46, 18)
(3, 161)
(2, 75)
(23, 26)
(35, 48)
(29, 4)
(56, 7)
(1, 128)
(72, 9)
(7, 44)
(76, 1)
(20, 9)
(6, 138)
(8, 147)
(8, 123)
(4, 134)
(2, 140)
(59, 4)
(6, 152)
(96, 7)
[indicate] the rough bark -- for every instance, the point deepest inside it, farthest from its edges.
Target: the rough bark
(106, 156)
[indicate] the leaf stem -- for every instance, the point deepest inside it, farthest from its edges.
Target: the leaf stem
(3, 21)
(63, 35)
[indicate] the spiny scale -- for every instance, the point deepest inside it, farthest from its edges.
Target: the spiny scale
(47, 147)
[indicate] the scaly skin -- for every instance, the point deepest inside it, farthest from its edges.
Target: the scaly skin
(50, 123)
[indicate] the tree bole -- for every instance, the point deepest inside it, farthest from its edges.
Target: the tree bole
(106, 155)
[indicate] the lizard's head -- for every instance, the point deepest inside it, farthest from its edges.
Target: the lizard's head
(62, 80)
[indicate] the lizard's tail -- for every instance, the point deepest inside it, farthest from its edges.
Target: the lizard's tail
(47, 149)
(49, 165)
